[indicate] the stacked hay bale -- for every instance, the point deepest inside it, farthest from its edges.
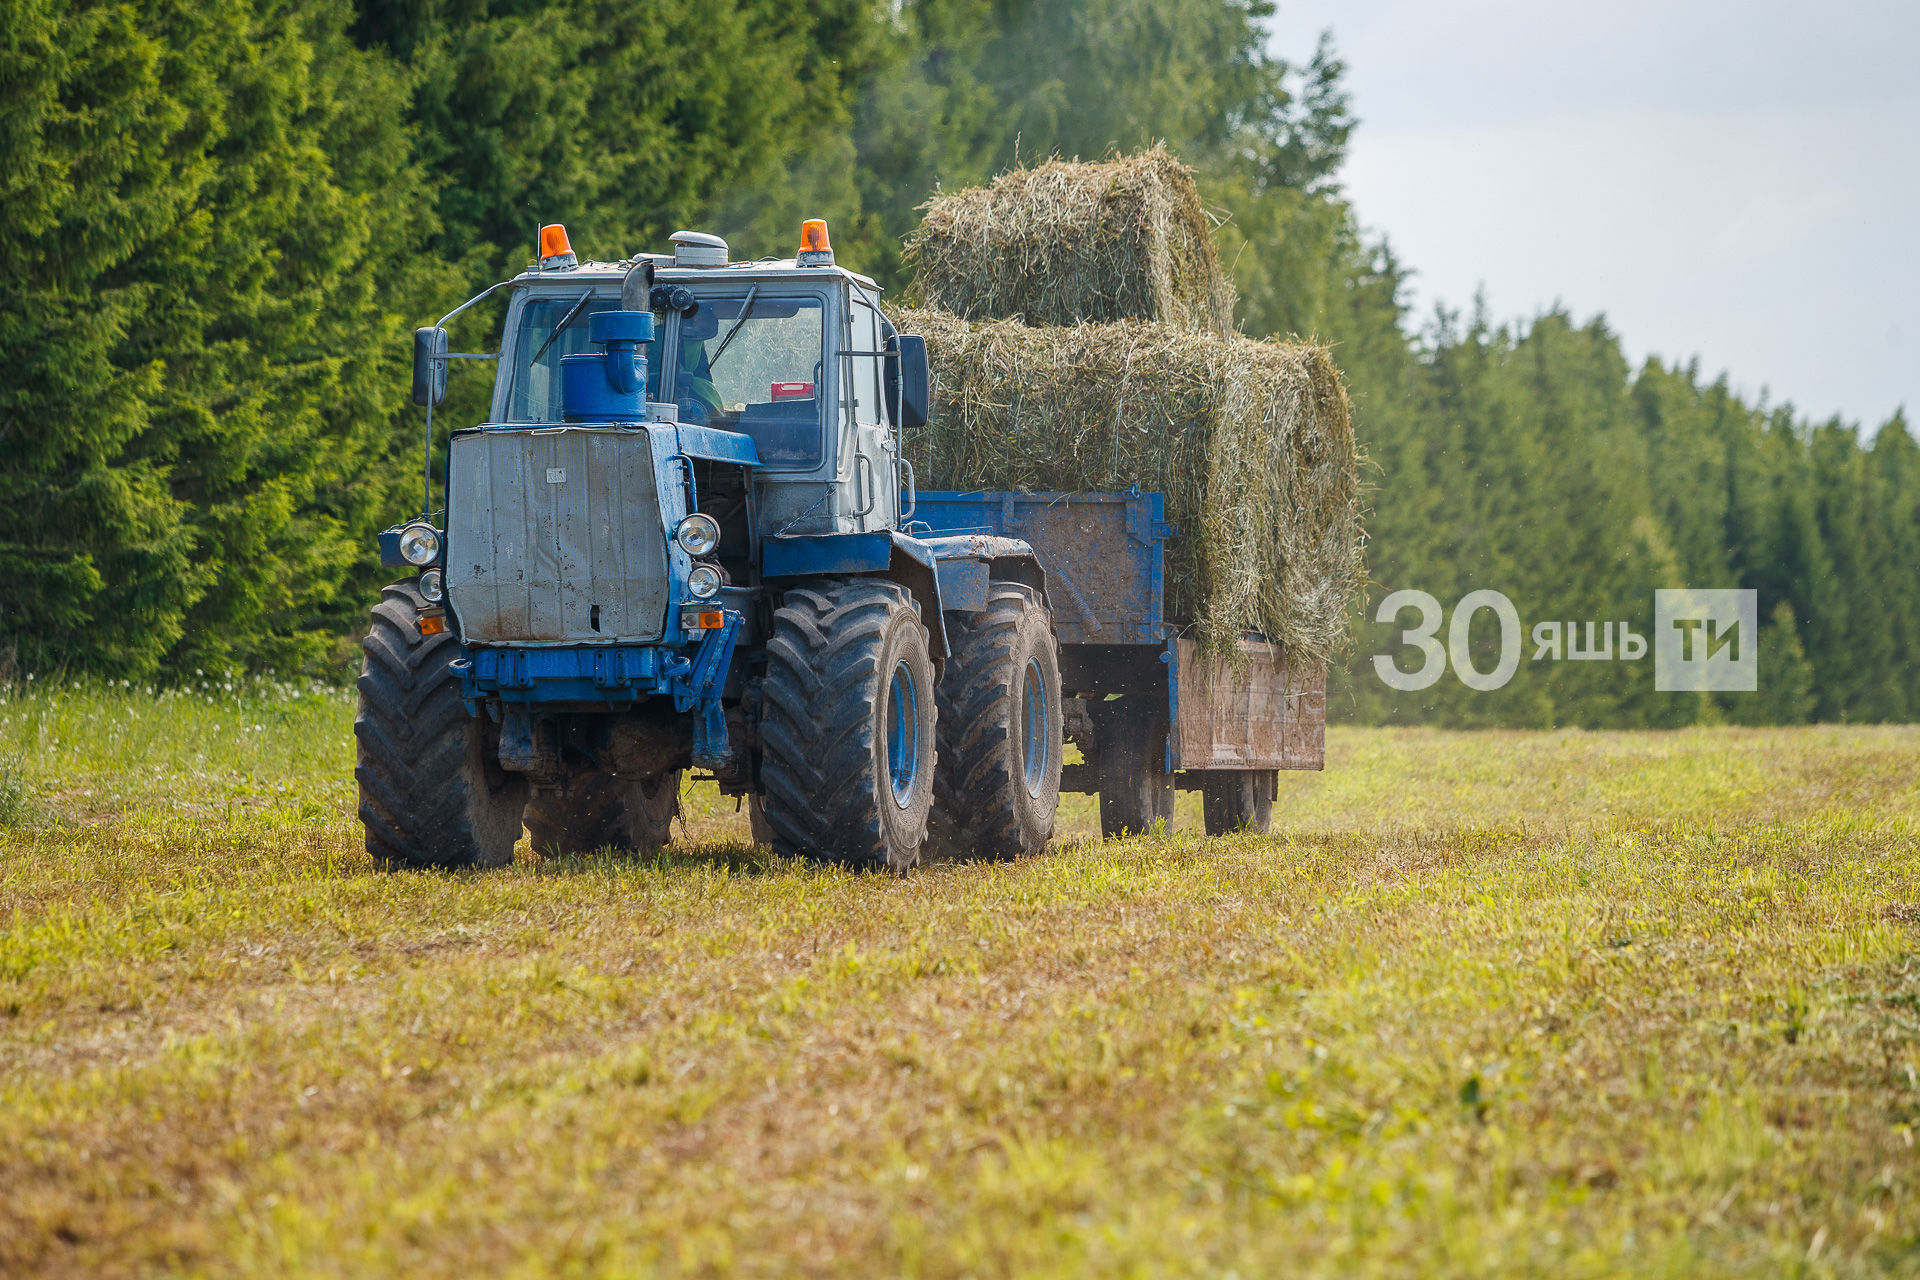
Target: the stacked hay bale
(1251, 442)
(1067, 242)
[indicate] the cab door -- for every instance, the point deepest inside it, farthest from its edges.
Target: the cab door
(872, 491)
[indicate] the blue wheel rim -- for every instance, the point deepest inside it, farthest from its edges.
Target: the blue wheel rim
(903, 735)
(1035, 726)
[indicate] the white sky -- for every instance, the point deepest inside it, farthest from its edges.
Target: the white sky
(1736, 181)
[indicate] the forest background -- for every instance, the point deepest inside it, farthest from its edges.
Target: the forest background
(219, 219)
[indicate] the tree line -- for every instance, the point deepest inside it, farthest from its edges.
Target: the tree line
(221, 220)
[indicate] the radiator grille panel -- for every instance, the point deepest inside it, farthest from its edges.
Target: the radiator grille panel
(552, 532)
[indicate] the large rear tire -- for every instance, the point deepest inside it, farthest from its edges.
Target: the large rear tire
(1136, 791)
(1237, 800)
(997, 786)
(596, 810)
(847, 725)
(432, 792)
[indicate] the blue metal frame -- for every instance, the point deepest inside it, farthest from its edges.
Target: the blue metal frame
(1124, 533)
(716, 445)
(698, 690)
(605, 674)
(390, 556)
(819, 554)
(614, 676)
(1170, 656)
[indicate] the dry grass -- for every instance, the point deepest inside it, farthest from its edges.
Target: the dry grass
(1067, 242)
(1252, 442)
(1509, 1003)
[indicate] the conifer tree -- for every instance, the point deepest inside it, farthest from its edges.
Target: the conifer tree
(192, 424)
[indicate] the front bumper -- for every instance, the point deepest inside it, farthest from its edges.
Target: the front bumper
(613, 678)
(611, 674)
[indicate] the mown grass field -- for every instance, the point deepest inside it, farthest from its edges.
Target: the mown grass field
(1495, 1003)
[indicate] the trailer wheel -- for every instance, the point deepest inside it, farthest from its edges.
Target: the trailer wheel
(1135, 789)
(1237, 800)
(997, 788)
(847, 725)
(597, 810)
(432, 792)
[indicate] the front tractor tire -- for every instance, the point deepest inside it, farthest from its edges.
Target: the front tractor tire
(997, 788)
(847, 725)
(432, 793)
(595, 810)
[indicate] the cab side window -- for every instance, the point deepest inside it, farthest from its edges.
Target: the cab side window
(756, 369)
(869, 405)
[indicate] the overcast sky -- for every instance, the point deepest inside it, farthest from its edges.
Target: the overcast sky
(1736, 181)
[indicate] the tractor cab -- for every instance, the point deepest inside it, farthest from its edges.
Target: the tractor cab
(793, 353)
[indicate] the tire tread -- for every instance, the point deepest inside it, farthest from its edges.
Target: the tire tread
(975, 811)
(817, 730)
(426, 798)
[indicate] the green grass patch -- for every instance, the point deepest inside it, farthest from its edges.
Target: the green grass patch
(1500, 1003)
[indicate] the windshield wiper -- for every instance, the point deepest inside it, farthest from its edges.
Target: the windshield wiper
(561, 328)
(745, 311)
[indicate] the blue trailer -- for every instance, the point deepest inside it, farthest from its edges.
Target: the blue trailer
(684, 537)
(1149, 713)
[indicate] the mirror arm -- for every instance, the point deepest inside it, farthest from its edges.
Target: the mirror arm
(426, 502)
(490, 289)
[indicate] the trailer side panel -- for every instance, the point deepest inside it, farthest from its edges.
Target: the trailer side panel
(1103, 554)
(1269, 713)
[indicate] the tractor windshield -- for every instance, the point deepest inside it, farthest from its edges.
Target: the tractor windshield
(752, 363)
(550, 328)
(746, 362)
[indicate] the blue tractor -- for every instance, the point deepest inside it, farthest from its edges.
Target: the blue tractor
(676, 543)
(685, 538)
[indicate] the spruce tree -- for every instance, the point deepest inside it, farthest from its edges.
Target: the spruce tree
(192, 423)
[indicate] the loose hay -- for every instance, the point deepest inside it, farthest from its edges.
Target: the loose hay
(1068, 242)
(1251, 442)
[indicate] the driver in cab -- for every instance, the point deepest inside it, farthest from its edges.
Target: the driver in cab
(693, 388)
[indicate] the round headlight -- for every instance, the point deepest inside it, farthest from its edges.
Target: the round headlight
(419, 544)
(704, 582)
(430, 586)
(697, 534)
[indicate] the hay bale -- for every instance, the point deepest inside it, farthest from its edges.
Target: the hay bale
(1068, 242)
(1251, 442)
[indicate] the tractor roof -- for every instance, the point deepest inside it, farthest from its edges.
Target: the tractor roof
(666, 273)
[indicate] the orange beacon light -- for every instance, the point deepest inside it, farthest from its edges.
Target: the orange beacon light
(816, 250)
(555, 252)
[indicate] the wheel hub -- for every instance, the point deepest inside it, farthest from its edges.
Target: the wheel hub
(903, 735)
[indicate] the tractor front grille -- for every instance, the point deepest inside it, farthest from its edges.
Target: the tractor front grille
(554, 536)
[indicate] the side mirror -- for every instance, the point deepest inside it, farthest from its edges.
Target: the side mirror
(909, 385)
(430, 366)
